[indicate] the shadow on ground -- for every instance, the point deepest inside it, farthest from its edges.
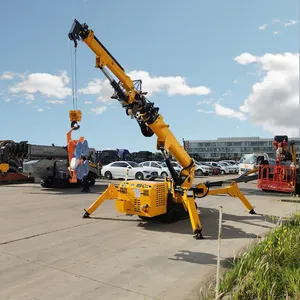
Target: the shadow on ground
(209, 218)
(203, 258)
(257, 192)
(97, 189)
(196, 257)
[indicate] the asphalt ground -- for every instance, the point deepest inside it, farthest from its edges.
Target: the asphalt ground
(47, 251)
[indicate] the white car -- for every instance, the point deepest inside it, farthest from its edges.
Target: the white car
(201, 169)
(224, 169)
(161, 167)
(152, 165)
(165, 171)
(233, 164)
(232, 169)
(118, 169)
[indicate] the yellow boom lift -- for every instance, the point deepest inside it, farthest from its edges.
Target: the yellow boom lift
(174, 198)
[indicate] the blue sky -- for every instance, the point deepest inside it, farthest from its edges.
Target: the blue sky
(195, 40)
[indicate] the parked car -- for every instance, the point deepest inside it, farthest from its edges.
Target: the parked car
(153, 165)
(118, 169)
(223, 169)
(165, 171)
(232, 169)
(202, 169)
(233, 164)
(214, 170)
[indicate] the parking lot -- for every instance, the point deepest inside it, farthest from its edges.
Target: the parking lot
(47, 251)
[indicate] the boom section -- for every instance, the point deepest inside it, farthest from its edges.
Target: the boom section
(167, 141)
(103, 57)
(137, 106)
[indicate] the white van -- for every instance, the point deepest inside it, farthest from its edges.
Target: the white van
(250, 161)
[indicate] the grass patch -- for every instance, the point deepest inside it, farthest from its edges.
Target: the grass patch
(270, 270)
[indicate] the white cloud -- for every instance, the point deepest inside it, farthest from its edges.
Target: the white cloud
(263, 27)
(245, 58)
(226, 93)
(221, 110)
(7, 99)
(88, 102)
(235, 81)
(173, 85)
(290, 23)
(274, 101)
(7, 76)
(205, 111)
(56, 101)
(100, 87)
(29, 97)
(276, 32)
(206, 101)
(207, 104)
(99, 110)
(275, 21)
(94, 87)
(47, 84)
(39, 109)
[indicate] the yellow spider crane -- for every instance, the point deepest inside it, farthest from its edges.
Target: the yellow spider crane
(172, 198)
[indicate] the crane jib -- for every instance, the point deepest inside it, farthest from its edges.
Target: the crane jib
(78, 30)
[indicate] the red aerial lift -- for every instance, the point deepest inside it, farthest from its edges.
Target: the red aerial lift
(284, 175)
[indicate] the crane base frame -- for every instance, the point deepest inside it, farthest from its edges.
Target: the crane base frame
(167, 208)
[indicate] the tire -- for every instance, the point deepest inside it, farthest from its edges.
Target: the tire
(108, 175)
(60, 183)
(139, 176)
(164, 174)
(199, 172)
(13, 166)
(46, 183)
(91, 180)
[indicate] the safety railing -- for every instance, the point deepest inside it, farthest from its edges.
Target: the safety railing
(276, 178)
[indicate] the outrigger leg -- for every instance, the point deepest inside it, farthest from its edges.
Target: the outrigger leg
(234, 191)
(110, 193)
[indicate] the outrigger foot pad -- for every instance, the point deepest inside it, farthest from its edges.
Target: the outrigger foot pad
(86, 215)
(252, 212)
(198, 235)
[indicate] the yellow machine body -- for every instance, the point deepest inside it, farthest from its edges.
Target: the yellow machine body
(143, 198)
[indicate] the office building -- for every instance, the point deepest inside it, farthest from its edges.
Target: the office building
(233, 148)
